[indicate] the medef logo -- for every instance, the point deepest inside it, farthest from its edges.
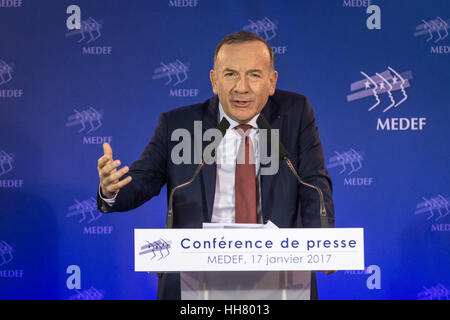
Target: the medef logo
(88, 121)
(89, 31)
(437, 210)
(159, 249)
(6, 161)
(6, 256)
(437, 292)
(89, 294)
(5, 253)
(87, 212)
(173, 74)
(356, 3)
(183, 3)
(6, 166)
(10, 3)
(265, 28)
(433, 32)
(6, 75)
(349, 162)
(387, 92)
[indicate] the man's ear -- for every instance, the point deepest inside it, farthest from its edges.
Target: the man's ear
(273, 81)
(212, 78)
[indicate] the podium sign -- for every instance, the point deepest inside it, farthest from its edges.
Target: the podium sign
(178, 250)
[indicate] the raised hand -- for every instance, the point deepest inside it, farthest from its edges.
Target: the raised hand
(109, 175)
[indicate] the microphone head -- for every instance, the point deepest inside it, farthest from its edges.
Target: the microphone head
(263, 124)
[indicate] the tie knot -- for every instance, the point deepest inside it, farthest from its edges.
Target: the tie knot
(243, 127)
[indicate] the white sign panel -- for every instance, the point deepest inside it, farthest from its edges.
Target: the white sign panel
(165, 250)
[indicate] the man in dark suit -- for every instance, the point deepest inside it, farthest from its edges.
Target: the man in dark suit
(244, 81)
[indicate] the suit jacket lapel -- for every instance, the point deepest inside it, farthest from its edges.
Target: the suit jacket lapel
(271, 114)
(208, 173)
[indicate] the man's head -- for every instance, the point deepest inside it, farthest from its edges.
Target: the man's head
(244, 76)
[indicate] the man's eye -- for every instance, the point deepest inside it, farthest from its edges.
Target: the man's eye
(228, 74)
(255, 75)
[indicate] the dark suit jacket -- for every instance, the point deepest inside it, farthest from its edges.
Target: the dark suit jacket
(284, 201)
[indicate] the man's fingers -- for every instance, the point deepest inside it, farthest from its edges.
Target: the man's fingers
(103, 160)
(114, 188)
(113, 177)
(109, 168)
(107, 150)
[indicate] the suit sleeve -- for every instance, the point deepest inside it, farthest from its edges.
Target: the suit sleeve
(148, 174)
(312, 170)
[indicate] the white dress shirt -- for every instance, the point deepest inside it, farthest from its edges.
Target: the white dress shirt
(224, 198)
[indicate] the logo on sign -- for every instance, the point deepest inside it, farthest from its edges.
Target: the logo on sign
(183, 3)
(436, 209)
(89, 294)
(437, 292)
(388, 91)
(356, 3)
(10, 3)
(159, 248)
(6, 161)
(5, 253)
(6, 166)
(175, 73)
(6, 256)
(6, 72)
(385, 82)
(349, 163)
(88, 121)
(89, 31)
(87, 211)
(266, 29)
(433, 32)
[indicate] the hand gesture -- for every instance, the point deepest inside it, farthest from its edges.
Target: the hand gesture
(109, 175)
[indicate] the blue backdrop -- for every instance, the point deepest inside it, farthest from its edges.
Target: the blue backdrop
(381, 99)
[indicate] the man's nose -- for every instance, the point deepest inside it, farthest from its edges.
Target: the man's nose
(241, 85)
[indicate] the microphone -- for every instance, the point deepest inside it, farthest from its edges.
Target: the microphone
(222, 127)
(283, 155)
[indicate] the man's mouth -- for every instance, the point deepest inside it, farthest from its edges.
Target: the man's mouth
(241, 103)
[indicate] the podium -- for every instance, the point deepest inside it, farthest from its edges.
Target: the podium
(246, 285)
(247, 262)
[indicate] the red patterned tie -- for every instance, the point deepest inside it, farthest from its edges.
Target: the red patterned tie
(245, 179)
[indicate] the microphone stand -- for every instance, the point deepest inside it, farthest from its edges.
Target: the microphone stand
(222, 127)
(283, 155)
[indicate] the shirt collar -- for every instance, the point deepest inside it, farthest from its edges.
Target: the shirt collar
(233, 123)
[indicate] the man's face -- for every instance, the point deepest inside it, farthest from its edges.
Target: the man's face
(243, 79)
